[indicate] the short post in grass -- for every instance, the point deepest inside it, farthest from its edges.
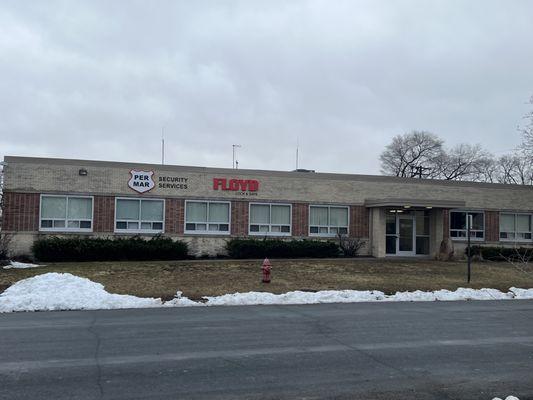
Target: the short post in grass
(468, 250)
(266, 268)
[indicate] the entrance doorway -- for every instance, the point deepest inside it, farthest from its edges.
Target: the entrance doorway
(407, 233)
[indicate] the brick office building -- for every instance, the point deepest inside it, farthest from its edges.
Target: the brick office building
(206, 206)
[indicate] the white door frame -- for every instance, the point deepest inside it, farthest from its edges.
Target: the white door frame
(412, 218)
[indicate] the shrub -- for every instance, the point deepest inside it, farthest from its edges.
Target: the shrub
(494, 253)
(276, 248)
(104, 249)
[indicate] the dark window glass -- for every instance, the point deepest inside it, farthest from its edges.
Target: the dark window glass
(391, 224)
(458, 220)
(314, 229)
(85, 224)
(190, 227)
(285, 228)
(477, 221)
(254, 228)
(223, 227)
(122, 225)
(46, 223)
(390, 245)
(157, 225)
(422, 245)
(343, 231)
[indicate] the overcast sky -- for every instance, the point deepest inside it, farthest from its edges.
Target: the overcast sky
(99, 79)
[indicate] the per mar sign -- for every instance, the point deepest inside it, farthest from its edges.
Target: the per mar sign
(141, 181)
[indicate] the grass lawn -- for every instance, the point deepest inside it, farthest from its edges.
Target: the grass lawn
(209, 278)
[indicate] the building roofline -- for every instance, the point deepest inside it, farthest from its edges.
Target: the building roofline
(257, 172)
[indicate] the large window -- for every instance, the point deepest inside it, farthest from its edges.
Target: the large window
(270, 219)
(515, 227)
(458, 225)
(328, 220)
(139, 215)
(422, 232)
(66, 213)
(207, 217)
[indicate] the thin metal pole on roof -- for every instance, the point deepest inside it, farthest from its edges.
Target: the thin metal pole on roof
(297, 156)
(235, 163)
(163, 145)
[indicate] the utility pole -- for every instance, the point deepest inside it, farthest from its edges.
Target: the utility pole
(235, 163)
(468, 251)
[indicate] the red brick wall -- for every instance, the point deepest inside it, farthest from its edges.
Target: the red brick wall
(492, 226)
(359, 222)
(174, 216)
(239, 218)
(21, 212)
(104, 214)
(300, 219)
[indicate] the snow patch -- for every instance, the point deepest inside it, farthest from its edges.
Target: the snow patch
(63, 291)
(20, 265)
(55, 291)
(356, 296)
(507, 398)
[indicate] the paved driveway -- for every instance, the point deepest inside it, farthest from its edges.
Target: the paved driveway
(456, 350)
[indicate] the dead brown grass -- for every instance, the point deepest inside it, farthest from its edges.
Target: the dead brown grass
(210, 278)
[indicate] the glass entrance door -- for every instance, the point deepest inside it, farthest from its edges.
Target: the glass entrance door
(406, 235)
(400, 234)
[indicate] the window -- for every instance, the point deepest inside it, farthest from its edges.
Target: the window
(207, 217)
(458, 225)
(66, 213)
(422, 232)
(328, 220)
(515, 227)
(139, 215)
(270, 219)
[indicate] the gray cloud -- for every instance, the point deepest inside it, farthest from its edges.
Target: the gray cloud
(99, 79)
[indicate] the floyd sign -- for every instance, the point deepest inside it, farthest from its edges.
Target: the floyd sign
(141, 181)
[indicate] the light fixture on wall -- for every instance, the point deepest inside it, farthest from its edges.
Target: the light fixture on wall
(82, 172)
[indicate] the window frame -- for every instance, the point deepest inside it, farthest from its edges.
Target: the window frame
(65, 229)
(207, 231)
(515, 240)
(465, 238)
(139, 231)
(329, 226)
(269, 233)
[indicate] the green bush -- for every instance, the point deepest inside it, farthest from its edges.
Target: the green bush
(103, 249)
(276, 248)
(494, 253)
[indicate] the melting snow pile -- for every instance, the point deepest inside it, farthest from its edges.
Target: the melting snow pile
(356, 296)
(19, 265)
(55, 291)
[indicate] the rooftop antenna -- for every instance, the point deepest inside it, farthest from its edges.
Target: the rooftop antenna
(163, 145)
(235, 164)
(297, 156)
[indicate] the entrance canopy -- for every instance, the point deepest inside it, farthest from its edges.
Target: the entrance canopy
(414, 203)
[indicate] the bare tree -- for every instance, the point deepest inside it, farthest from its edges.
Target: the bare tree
(515, 168)
(411, 154)
(527, 132)
(462, 162)
(485, 170)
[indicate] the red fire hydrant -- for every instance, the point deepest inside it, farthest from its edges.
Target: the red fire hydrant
(266, 270)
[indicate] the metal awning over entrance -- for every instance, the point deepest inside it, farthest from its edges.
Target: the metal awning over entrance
(414, 203)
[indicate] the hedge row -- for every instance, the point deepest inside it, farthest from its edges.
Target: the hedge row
(275, 248)
(493, 253)
(99, 249)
